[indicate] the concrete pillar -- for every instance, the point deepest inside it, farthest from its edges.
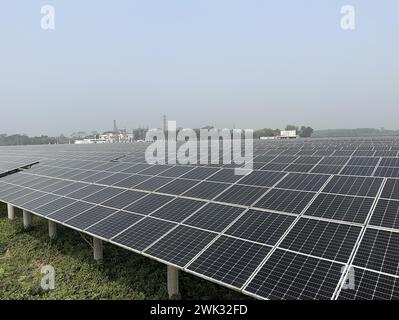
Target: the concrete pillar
(173, 282)
(10, 211)
(52, 229)
(98, 249)
(27, 216)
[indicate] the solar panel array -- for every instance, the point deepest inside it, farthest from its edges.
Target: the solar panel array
(312, 214)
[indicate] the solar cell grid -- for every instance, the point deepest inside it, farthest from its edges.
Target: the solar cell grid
(357, 171)
(153, 183)
(248, 233)
(115, 224)
(214, 217)
(230, 260)
(124, 199)
(388, 172)
(339, 207)
(19, 192)
(287, 275)
(70, 211)
(32, 205)
(178, 209)
(391, 189)
(262, 178)
(148, 204)
(132, 181)
(27, 197)
(242, 195)
(80, 191)
(299, 167)
(306, 182)
(358, 186)
(176, 171)
(200, 173)
(206, 190)
(178, 186)
(322, 239)
(181, 245)
(326, 169)
(379, 251)
(285, 200)
(142, 234)
(260, 226)
(90, 217)
(386, 214)
(371, 286)
(102, 195)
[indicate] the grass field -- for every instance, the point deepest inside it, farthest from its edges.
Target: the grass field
(123, 275)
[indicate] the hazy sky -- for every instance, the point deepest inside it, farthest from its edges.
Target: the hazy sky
(252, 63)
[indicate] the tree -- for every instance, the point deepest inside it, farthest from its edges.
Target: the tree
(306, 132)
(290, 127)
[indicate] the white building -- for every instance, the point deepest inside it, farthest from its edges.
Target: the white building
(288, 134)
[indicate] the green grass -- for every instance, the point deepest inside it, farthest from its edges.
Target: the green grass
(123, 275)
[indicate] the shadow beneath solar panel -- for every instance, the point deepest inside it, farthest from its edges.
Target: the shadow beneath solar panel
(123, 275)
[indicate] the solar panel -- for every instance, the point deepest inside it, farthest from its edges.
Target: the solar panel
(214, 217)
(386, 214)
(371, 286)
(142, 234)
(229, 260)
(242, 195)
(153, 183)
(178, 186)
(102, 195)
(200, 173)
(262, 178)
(178, 209)
(285, 230)
(70, 211)
(357, 186)
(339, 207)
(90, 217)
(285, 200)
(114, 224)
(379, 251)
(358, 171)
(81, 191)
(391, 189)
(260, 226)
(288, 275)
(148, 204)
(180, 245)
(132, 181)
(301, 181)
(51, 207)
(124, 198)
(32, 205)
(322, 239)
(206, 190)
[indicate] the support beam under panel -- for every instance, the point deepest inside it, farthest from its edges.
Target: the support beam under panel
(52, 229)
(173, 282)
(98, 250)
(10, 211)
(27, 216)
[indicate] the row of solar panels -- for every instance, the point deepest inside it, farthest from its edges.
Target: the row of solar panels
(261, 227)
(284, 235)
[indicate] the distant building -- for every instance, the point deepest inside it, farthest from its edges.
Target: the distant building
(288, 134)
